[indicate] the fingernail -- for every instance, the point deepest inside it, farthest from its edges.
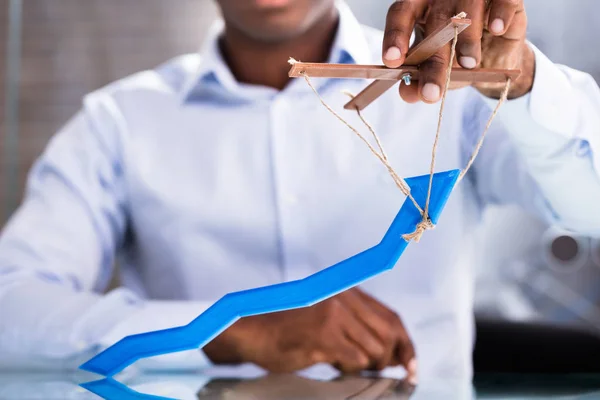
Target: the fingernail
(412, 366)
(468, 62)
(497, 26)
(393, 53)
(431, 92)
(411, 370)
(413, 380)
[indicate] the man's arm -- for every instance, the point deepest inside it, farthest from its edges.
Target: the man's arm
(57, 252)
(543, 151)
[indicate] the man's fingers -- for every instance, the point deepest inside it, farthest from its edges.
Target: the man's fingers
(409, 94)
(374, 316)
(375, 324)
(433, 77)
(334, 344)
(433, 71)
(469, 42)
(517, 29)
(363, 337)
(393, 330)
(350, 358)
(400, 22)
(404, 351)
(501, 16)
(375, 304)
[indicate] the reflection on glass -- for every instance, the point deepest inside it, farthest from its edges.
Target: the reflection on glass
(269, 387)
(291, 387)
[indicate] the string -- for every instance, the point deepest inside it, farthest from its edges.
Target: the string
(402, 185)
(393, 173)
(503, 98)
(426, 222)
(369, 127)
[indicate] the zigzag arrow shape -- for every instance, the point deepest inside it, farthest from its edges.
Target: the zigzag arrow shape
(284, 296)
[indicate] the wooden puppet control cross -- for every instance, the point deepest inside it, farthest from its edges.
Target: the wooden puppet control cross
(386, 77)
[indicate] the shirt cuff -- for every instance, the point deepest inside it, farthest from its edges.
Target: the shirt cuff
(554, 105)
(553, 99)
(551, 102)
(542, 107)
(158, 315)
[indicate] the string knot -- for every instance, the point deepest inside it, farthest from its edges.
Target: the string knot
(422, 226)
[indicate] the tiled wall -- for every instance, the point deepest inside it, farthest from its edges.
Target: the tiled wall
(71, 47)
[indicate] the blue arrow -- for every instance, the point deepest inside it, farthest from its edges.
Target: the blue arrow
(284, 296)
(110, 389)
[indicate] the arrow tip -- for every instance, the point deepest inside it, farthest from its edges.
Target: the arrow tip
(443, 183)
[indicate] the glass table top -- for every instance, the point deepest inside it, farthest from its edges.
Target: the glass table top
(237, 384)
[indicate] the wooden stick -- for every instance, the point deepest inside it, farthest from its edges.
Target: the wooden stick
(435, 41)
(380, 72)
(424, 50)
(369, 94)
(417, 55)
(385, 77)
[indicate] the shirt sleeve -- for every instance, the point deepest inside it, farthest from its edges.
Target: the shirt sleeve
(57, 254)
(543, 150)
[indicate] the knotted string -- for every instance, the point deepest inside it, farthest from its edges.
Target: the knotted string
(479, 144)
(426, 223)
(402, 185)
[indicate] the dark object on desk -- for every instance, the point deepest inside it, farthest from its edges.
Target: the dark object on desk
(534, 348)
(537, 385)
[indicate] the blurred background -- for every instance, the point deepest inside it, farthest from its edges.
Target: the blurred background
(55, 51)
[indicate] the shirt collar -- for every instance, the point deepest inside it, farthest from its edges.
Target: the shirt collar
(349, 47)
(350, 43)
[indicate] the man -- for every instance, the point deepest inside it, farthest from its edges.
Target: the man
(215, 173)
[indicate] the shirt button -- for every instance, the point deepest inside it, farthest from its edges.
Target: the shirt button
(583, 150)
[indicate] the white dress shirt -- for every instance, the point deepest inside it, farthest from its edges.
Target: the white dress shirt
(202, 185)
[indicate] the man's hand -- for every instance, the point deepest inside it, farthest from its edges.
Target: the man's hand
(496, 39)
(351, 331)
